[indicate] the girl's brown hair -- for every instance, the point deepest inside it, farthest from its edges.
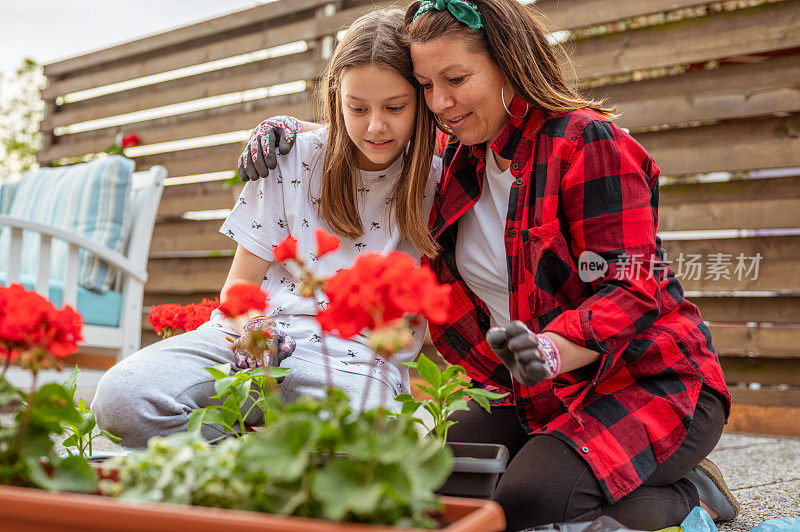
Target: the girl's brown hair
(375, 39)
(514, 38)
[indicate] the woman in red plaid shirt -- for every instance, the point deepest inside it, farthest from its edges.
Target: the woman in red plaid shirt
(546, 220)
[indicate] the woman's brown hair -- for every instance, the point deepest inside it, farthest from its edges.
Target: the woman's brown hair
(515, 39)
(375, 39)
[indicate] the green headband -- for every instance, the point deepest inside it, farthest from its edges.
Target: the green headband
(464, 11)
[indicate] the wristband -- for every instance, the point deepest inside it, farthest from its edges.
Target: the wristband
(550, 355)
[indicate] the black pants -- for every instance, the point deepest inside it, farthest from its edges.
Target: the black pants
(546, 481)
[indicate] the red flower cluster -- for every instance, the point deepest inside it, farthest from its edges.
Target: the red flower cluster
(378, 289)
(242, 298)
(171, 318)
(129, 141)
(29, 323)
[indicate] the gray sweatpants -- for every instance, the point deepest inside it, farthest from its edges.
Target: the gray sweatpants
(153, 391)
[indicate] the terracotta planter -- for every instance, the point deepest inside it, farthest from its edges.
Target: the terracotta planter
(33, 510)
(476, 469)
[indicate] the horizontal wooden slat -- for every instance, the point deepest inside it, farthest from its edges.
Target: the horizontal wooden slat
(210, 195)
(259, 38)
(740, 204)
(732, 91)
(158, 298)
(244, 77)
(730, 146)
(195, 161)
(777, 270)
(221, 119)
(572, 14)
(189, 235)
(785, 398)
(744, 309)
(187, 276)
(750, 31)
(202, 30)
(783, 341)
(783, 420)
(766, 371)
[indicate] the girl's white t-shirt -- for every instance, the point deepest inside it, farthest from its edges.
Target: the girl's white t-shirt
(285, 203)
(480, 248)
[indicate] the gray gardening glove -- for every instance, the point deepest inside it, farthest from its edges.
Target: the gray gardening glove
(518, 348)
(271, 137)
(262, 345)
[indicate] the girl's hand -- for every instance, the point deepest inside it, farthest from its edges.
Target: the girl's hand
(262, 345)
(271, 137)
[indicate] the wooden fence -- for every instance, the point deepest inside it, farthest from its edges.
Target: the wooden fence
(712, 90)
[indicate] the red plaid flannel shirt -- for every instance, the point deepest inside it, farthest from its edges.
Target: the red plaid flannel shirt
(582, 184)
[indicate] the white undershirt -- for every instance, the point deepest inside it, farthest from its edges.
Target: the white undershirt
(480, 249)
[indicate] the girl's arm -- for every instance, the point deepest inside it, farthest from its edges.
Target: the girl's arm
(246, 268)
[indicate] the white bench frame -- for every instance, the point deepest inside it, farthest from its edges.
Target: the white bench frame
(146, 189)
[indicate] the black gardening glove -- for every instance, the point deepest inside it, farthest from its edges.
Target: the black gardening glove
(268, 139)
(518, 348)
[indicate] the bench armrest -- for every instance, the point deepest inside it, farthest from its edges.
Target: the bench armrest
(112, 257)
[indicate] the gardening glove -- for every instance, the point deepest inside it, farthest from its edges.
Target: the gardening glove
(531, 358)
(271, 137)
(261, 344)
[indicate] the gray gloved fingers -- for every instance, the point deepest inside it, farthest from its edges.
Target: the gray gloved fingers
(284, 146)
(497, 339)
(528, 356)
(516, 328)
(242, 171)
(262, 158)
(249, 164)
(496, 336)
(522, 341)
(270, 146)
(531, 374)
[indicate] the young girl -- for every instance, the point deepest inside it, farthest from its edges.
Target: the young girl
(367, 178)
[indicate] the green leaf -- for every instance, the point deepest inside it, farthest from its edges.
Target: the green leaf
(341, 489)
(475, 392)
(458, 404)
(429, 371)
(71, 441)
(70, 474)
(112, 437)
(87, 423)
(52, 404)
(223, 385)
(409, 407)
(452, 371)
(71, 384)
(483, 402)
(220, 371)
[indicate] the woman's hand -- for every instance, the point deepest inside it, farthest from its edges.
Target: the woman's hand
(271, 137)
(518, 348)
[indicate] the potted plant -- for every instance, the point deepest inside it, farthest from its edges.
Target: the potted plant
(316, 466)
(476, 466)
(37, 335)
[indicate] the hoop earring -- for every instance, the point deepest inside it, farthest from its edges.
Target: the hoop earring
(443, 127)
(503, 100)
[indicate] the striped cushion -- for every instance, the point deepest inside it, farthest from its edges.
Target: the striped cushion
(89, 199)
(7, 191)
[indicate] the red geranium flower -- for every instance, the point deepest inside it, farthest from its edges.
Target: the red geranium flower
(30, 324)
(172, 318)
(286, 249)
(378, 289)
(242, 298)
(326, 242)
(129, 141)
